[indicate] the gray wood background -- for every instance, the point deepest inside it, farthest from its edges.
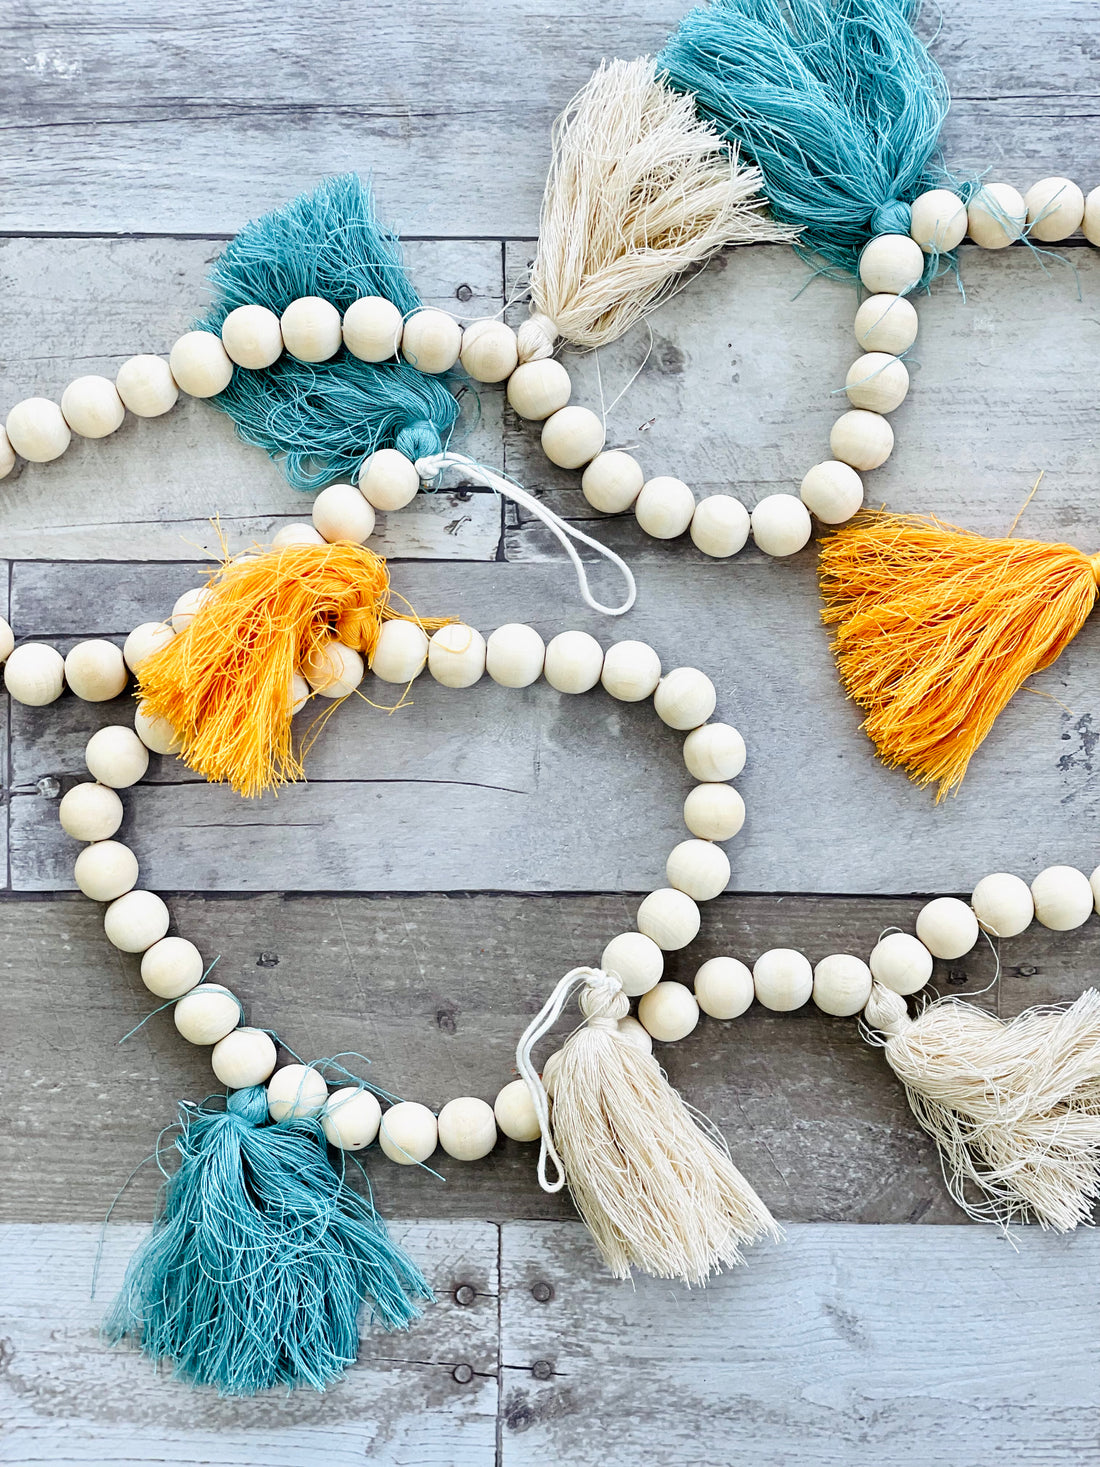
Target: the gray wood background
(417, 899)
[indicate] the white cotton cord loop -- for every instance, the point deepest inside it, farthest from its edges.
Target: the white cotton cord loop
(432, 466)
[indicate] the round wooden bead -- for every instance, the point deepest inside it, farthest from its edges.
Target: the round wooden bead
(901, 963)
(489, 353)
(612, 481)
(842, 985)
(670, 918)
(782, 979)
(1063, 898)
(685, 698)
(538, 389)
(351, 1118)
(244, 1057)
(431, 341)
(724, 988)
(333, 670)
(408, 1133)
(719, 526)
(877, 382)
(185, 607)
(146, 386)
(714, 811)
(1094, 882)
(669, 1012)
(947, 927)
(296, 1093)
(937, 221)
(206, 1014)
(714, 753)
(296, 534)
(456, 655)
(995, 216)
(1090, 224)
(106, 870)
(515, 1112)
(341, 513)
(7, 454)
(92, 407)
(631, 671)
(1003, 904)
(635, 1033)
(401, 652)
(144, 640)
(514, 655)
(698, 868)
(95, 671)
(572, 436)
(781, 524)
(862, 439)
(172, 967)
(574, 661)
(155, 732)
(636, 961)
(311, 329)
(833, 491)
(886, 323)
(135, 921)
(467, 1128)
(1055, 208)
(665, 507)
(372, 328)
(388, 480)
(34, 674)
(7, 640)
(200, 364)
(253, 339)
(90, 812)
(891, 264)
(299, 695)
(116, 756)
(37, 430)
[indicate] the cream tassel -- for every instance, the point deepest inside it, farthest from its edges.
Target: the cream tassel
(639, 191)
(653, 1181)
(1013, 1107)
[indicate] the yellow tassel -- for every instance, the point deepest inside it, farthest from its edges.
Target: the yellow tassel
(224, 684)
(937, 628)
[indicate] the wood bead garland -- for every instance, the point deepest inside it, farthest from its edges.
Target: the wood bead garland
(995, 216)
(372, 328)
(631, 671)
(92, 407)
(408, 1133)
(467, 1128)
(295, 1092)
(537, 390)
(244, 1057)
(200, 364)
(891, 264)
(669, 1012)
(351, 1118)
(489, 351)
(387, 480)
(514, 655)
(685, 698)
(573, 663)
(670, 918)
(782, 979)
(431, 341)
(901, 963)
(572, 437)
(401, 652)
(781, 525)
(1063, 898)
(172, 967)
(1055, 208)
(34, 674)
(206, 1014)
(105, 870)
(515, 1112)
(37, 431)
(699, 868)
(714, 753)
(719, 526)
(861, 439)
(311, 329)
(842, 985)
(1003, 904)
(714, 811)
(612, 482)
(947, 927)
(116, 756)
(938, 221)
(456, 655)
(136, 921)
(90, 812)
(146, 386)
(878, 382)
(96, 671)
(724, 988)
(664, 507)
(886, 323)
(252, 337)
(636, 959)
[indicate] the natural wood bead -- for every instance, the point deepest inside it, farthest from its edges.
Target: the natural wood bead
(514, 655)
(781, 525)
(724, 988)
(244, 1057)
(408, 1133)
(311, 329)
(185, 607)
(714, 811)
(995, 216)
(782, 979)
(1055, 208)
(891, 264)
(1063, 898)
(37, 430)
(300, 693)
(1094, 882)
(572, 436)
(456, 655)
(296, 1093)
(842, 985)
(92, 407)
(947, 927)
(351, 1118)
(669, 1012)
(116, 756)
(877, 382)
(631, 671)
(670, 918)
(341, 513)
(135, 921)
(665, 507)
(296, 534)
(388, 480)
(95, 671)
(143, 641)
(106, 870)
(431, 341)
(489, 353)
(901, 963)
(372, 328)
(1003, 904)
(636, 961)
(685, 698)
(7, 455)
(612, 481)
(146, 386)
(833, 491)
(714, 753)
(698, 868)
(90, 812)
(34, 674)
(7, 640)
(719, 526)
(538, 389)
(635, 1033)
(401, 652)
(1090, 224)
(333, 670)
(200, 364)
(937, 221)
(886, 323)
(171, 967)
(155, 732)
(253, 338)
(573, 663)
(862, 439)
(515, 1112)
(467, 1128)
(207, 1014)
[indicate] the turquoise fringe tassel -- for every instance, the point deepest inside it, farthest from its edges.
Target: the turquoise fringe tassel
(836, 101)
(255, 1273)
(320, 420)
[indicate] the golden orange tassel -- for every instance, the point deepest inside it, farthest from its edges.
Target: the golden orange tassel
(224, 684)
(937, 628)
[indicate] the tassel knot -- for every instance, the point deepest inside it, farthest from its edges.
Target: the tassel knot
(249, 1105)
(893, 217)
(886, 1011)
(536, 337)
(418, 440)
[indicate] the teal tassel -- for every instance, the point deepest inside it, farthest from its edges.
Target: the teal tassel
(320, 420)
(836, 101)
(255, 1272)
